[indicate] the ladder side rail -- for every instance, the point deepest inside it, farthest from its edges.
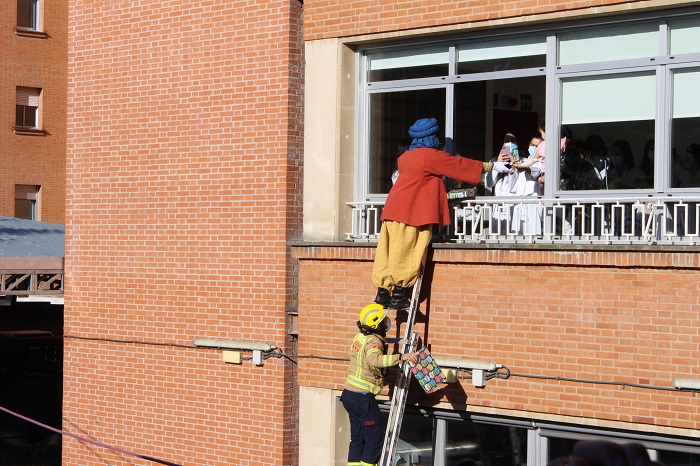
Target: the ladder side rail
(398, 405)
(398, 401)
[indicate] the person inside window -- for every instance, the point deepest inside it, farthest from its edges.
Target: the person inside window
(599, 155)
(623, 173)
(502, 178)
(647, 166)
(686, 169)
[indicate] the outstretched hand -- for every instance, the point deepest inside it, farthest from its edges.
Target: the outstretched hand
(606, 453)
(413, 357)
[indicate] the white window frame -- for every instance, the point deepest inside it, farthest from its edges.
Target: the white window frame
(662, 63)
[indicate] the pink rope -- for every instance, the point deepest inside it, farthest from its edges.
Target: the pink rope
(86, 440)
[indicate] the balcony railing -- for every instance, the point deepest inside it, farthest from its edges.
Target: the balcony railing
(533, 220)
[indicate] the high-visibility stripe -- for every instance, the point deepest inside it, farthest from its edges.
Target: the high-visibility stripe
(362, 463)
(363, 384)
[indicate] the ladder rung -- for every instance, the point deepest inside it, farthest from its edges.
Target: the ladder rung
(398, 400)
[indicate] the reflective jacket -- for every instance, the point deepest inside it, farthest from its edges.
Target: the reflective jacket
(368, 358)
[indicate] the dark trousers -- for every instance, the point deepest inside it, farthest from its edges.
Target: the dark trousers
(366, 429)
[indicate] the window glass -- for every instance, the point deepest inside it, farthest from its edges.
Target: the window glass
(685, 129)
(685, 36)
(391, 114)
(415, 445)
(500, 55)
(560, 447)
(27, 14)
(677, 458)
(609, 44)
(25, 201)
(470, 443)
(26, 110)
(408, 64)
(607, 123)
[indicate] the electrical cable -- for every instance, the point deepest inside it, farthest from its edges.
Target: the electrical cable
(488, 376)
(136, 342)
(86, 440)
(597, 382)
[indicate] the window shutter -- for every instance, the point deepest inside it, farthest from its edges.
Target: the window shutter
(28, 96)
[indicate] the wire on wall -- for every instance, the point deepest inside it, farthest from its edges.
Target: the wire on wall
(506, 373)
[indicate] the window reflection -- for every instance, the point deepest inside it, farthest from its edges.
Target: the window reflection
(608, 129)
(678, 458)
(466, 444)
(685, 129)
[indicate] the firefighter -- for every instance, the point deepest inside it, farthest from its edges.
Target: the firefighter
(368, 363)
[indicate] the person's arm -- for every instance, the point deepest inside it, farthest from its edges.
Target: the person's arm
(458, 168)
(375, 357)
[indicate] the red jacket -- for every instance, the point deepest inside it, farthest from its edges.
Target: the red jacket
(419, 197)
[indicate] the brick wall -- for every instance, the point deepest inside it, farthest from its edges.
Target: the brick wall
(616, 316)
(37, 61)
(327, 18)
(183, 187)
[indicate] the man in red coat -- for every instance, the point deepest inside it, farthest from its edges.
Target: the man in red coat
(416, 202)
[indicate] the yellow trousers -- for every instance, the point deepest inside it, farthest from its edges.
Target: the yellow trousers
(399, 253)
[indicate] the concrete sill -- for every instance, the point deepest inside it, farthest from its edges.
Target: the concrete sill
(30, 131)
(29, 32)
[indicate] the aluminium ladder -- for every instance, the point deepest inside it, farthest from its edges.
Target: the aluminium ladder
(403, 377)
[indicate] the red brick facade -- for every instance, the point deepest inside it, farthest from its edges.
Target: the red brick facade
(184, 182)
(607, 316)
(184, 147)
(328, 18)
(35, 60)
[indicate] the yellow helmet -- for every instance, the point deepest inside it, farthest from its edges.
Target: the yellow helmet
(373, 315)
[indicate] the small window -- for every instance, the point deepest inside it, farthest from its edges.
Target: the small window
(502, 55)
(609, 44)
(685, 36)
(28, 14)
(26, 197)
(27, 109)
(409, 64)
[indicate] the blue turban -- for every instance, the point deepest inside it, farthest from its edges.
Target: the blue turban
(424, 133)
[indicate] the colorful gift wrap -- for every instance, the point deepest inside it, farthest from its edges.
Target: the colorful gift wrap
(427, 372)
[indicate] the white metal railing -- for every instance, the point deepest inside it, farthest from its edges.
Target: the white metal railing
(533, 220)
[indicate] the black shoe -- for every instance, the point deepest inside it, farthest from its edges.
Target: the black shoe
(383, 297)
(399, 301)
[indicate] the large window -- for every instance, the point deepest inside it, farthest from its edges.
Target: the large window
(618, 99)
(432, 440)
(440, 438)
(609, 122)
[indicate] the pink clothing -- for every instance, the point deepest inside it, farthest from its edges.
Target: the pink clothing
(540, 152)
